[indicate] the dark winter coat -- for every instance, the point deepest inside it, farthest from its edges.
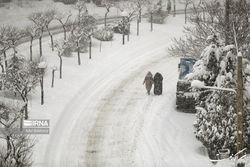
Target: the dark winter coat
(149, 81)
(158, 84)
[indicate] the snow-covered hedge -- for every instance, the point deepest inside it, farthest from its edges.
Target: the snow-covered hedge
(104, 34)
(215, 124)
(121, 27)
(66, 1)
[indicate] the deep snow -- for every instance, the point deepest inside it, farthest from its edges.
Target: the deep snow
(100, 113)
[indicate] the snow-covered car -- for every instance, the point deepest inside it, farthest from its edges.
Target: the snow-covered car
(185, 100)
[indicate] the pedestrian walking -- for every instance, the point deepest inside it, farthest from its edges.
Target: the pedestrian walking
(158, 84)
(148, 81)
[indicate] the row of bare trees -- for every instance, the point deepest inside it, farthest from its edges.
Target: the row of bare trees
(78, 34)
(210, 17)
(20, 76)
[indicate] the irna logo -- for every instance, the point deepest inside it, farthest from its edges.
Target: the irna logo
(36, 123)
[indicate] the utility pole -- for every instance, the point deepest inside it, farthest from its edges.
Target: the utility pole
(227, 21)
(239, 140)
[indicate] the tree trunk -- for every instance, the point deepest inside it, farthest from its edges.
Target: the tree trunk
(105, 19)
(60, 57)
(138, 28)
(53, 78)
(140, 16)
(78, 53)
(8, 143)
(100, 46)
(185, 14)
(239, 139)
(123, 37)
(40, 46)
(31, 43)
(21, 121)
(151, 20)
(174, 9)
(26, 110)
(128, 32)
(65, 33)
(42, 91)
(52, 42)
(5, 60)
(2, 66)
(123, 30)
(90, 47)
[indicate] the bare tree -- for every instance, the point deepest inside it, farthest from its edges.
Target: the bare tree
(128, 10)
(10, 36)
(49, 16)
(81, 8)
(214, 21)
(31, 31)
(108, 4)
(64, 20)
(39, 20)
(79, 39)
(63, 47)
(13, 37)
(81, 33)
(174, 13)
(54, 69)
(139, 6)
(186, 3)
(21, 77)
(4, 46)
(151, 9)
(42, 66)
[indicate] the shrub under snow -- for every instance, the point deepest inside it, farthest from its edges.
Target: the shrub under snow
(104, 34)
(215, 124)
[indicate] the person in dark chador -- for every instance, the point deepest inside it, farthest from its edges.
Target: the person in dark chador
(158, 84)
(148, 81)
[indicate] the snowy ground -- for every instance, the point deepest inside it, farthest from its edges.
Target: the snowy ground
(18, 11)
(101, 115)
(18, 14)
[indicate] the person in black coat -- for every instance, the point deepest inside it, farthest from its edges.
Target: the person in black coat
(158, 84)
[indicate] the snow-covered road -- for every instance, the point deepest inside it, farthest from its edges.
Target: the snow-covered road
(113, 111)
(101, 115)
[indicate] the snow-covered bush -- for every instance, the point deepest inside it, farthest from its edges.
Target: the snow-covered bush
(17, 150)
(215, 124)
(69, 1)
(65, 47)
(20, 76)
(156, 14)
(121, 27)
(78, 42)
(98, 3)
(104, 34)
